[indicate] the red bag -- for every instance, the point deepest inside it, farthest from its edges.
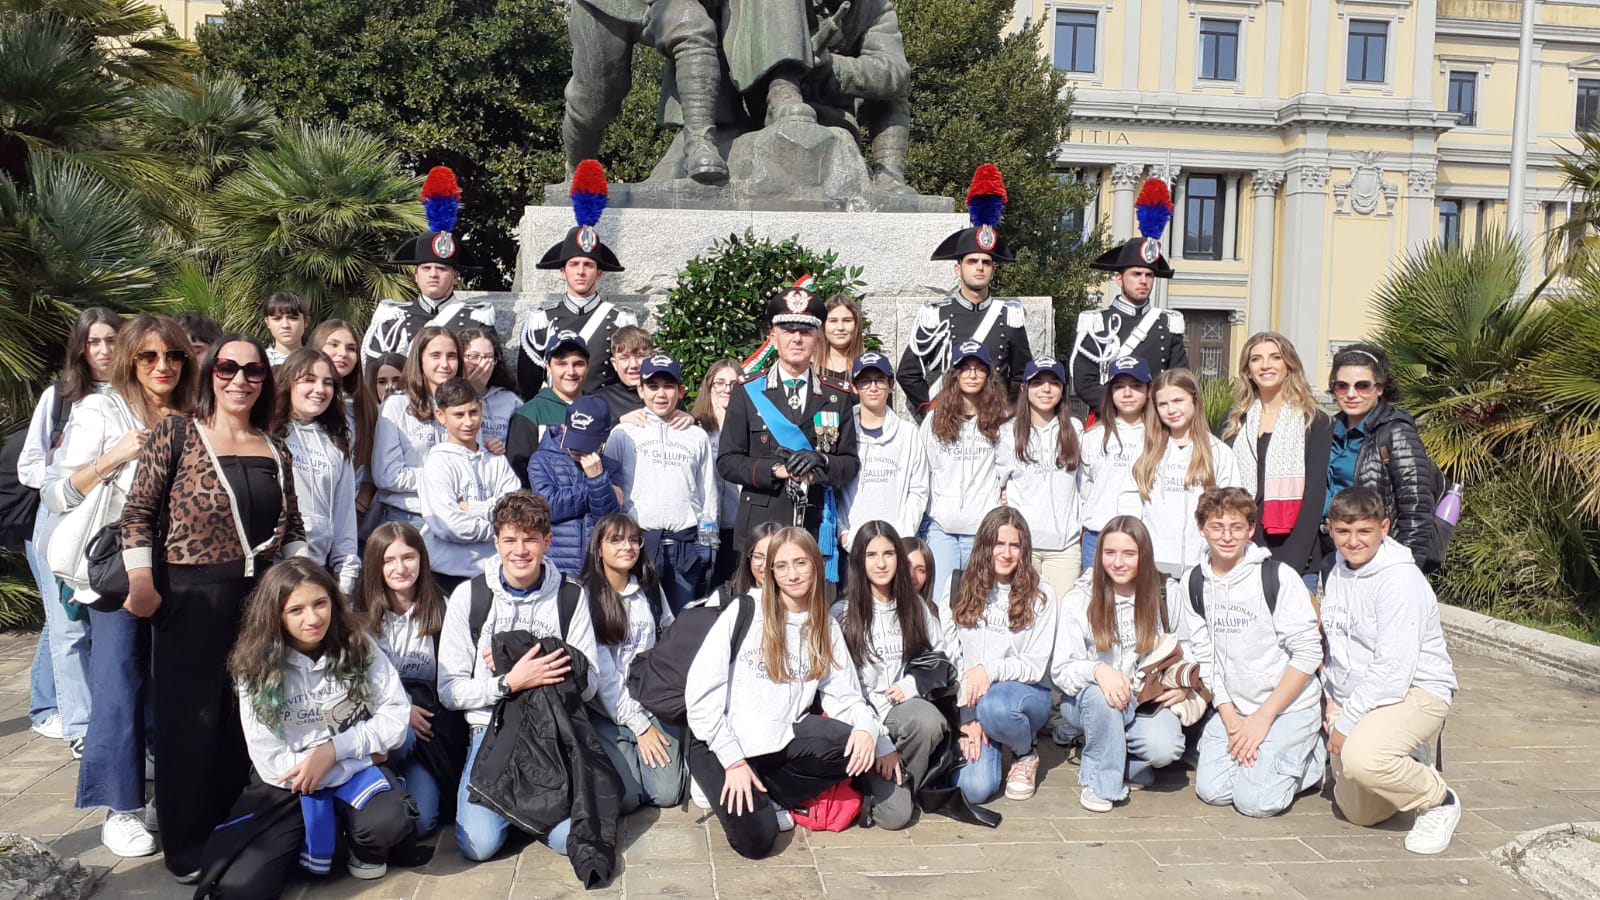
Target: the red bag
(835, 809)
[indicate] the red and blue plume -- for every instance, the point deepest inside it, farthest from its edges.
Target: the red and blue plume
(589, 192)
(441, 199)
(987, 196)
(1153, 208)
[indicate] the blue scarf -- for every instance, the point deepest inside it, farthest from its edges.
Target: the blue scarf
(792, 437)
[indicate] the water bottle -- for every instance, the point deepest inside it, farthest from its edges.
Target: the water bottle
(1449, 508)
(708, 535)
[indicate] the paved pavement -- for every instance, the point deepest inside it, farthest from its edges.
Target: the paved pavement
(1522, 751)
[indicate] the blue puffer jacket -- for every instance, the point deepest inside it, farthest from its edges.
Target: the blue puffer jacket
(576, 501)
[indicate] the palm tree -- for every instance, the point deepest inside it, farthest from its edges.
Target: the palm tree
(318, 213)
(133, 38)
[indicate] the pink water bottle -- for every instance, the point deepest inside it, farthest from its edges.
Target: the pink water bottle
(1449, 508)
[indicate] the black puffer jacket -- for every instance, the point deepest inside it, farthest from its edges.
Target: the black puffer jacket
(1393, 462)
(541, 762)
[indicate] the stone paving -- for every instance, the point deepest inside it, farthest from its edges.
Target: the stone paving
(1521, 750)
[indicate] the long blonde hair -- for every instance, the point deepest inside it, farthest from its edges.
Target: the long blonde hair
(1296, 389)
(1201, 472)
(1149, 611)
(815, 634)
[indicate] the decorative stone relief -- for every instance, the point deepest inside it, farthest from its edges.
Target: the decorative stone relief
(1421, 181)
(1126, 175)
(1265, 182)
(1314, 178)
(1365, 191)
(1166, 172)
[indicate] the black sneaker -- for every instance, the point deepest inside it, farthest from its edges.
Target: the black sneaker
(76, 746)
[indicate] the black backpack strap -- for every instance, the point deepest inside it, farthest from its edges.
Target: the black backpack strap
(567, 604)
(658, 603)
(59, 412)
(478, 612)
(742, 618)
(1197, 592)
(1269, 584)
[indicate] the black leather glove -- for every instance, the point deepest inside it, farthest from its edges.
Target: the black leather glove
(802, 462)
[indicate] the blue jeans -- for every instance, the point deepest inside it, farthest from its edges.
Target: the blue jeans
(480, 831)
(642, 785)
(1119, 746)
(112, 771)
(69, 649)
(950, 552)
(1090, 542)
(1289, 760)
(1011, 714)
(42, 680)
(681, 563)
(424, 788)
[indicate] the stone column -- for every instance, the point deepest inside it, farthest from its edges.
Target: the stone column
(1264, 186)
(1420, 213)
(1304, 229)
(1124, 182)
(1230, 217)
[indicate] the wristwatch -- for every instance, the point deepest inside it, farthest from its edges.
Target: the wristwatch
(502, 686)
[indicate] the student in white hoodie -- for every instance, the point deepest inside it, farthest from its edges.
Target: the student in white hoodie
(308, 416)
(999, 628)
(886, 624)
(892, 483)
(407, 426)
(1108, 621)
(483, 362)
(1039, 469)
(754, 745)
(461, 479)
(629, 611)
(318, 701)
(961, 438)
(1388, 677)
(525, 595)
(1110, 447)
(668, 479)
(1260, 662)
(1180, 461)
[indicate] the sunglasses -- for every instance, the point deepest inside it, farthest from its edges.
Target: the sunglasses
(254, 372)
(1360, 387)
(173, 357)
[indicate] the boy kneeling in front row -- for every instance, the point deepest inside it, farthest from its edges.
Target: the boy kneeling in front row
(1258, 652)
(1389, 679)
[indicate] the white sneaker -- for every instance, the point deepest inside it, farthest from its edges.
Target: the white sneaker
(150, 820)
(785, 819)
(697, 795)
(367, 871)
(1093, 802)
(125, 835)
(50, 728)
(1433, 829)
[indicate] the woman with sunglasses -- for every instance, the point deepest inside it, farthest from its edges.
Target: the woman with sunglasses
(1376, 445)
(224, 491)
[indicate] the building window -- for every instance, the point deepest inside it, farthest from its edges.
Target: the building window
(1450, 223)
(1368, 52)
(1588, 104)
(1463, 97)
(1206, 333)
(1075, 39)
(1219, 49)
(1202, 217)
(215, 21)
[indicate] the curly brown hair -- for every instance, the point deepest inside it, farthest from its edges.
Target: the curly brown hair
(979, 578)
(952, 409)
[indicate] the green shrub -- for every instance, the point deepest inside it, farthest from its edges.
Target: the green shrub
(19, 597)
(1216, 395)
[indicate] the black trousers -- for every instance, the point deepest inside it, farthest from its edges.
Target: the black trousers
(203, 761)
(811, 763)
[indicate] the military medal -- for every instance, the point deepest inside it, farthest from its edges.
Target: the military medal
(826, 424)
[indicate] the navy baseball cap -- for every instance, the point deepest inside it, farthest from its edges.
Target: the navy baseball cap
(661, 364)
(970, 350)
(588, 423)
(873, 360)
(1131, 366)
(1045, 364)
(561, 340)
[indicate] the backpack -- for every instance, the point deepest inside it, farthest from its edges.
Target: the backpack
(482, 598)
(835, 809)
(19, 504)
(657, 676)
(1269, 588)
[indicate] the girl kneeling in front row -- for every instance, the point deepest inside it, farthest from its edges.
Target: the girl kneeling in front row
(321, 706)
(753, 746)
(999, 627)
(1107, 622)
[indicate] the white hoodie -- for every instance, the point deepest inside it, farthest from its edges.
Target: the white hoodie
(1242, 650)
(499, 405)
(741, 713)
(1007, 654)
(399, 444)
(1384, 637)
(316, 711)
(459, 540)
(1076, 654)
(616, 659)
(1107, 473)
(892, 483)
(36, 450)
(1169, 513)
(465, 681)
(885, 665)
(1045, 494)
(325, 486)
(667, 476)
(964, 478)
(415, 657)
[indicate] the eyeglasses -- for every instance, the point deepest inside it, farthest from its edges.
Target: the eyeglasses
(1360, 387)
(758, 559)
(1238, 529)
(799, 565)
(723, 384)
(147, 358)
(254, 372)
(617, 540)
(476, 358)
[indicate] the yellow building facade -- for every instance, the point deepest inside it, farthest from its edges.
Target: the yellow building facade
(188, 15)
(1310, 143)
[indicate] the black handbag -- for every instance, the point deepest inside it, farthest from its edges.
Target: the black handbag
(108, 576)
